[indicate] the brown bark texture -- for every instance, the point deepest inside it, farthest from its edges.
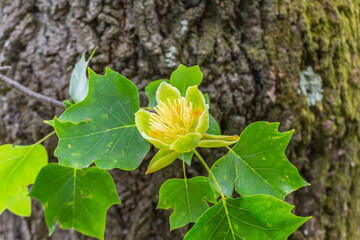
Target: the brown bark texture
(296, 62)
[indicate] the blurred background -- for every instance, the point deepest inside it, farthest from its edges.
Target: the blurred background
(295, 62)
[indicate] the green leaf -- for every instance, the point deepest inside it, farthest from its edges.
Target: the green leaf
(150, 91)
(184, 77)
(79, 83)
(187, 157)
(187, 198)
(19, 166)
(49, 122)
(76, 198)
(214, 128)
(257, 164)
(101, 128)
(68, 103)
(207, 99)
(253, 218)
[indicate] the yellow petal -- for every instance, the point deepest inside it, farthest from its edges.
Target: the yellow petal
(166, 92)
(156, 142)
(186, 143)
(197, 98)
(214, 141)
(142, 120)
(162, 159)
(203, 123)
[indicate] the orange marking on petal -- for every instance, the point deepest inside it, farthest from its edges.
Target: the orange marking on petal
(197, 112)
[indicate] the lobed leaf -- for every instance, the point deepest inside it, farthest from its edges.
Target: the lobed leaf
(254, 217)
(76, 198)
(19, 166)
(184, 77)
(187, 198)
(101, 128)
(257, 164)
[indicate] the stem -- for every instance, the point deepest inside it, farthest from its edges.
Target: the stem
(4, 68)
(44, 138)
(218, 186)
(209, 171)
(26, 91)
(184, 167)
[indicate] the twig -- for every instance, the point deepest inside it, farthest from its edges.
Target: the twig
(26, 91)
(2, 68)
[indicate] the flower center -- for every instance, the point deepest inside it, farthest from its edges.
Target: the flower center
(173, 119)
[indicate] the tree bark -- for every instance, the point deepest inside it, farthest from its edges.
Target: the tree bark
(256, 56)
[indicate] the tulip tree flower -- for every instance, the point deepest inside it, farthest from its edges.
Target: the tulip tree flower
(177, 125)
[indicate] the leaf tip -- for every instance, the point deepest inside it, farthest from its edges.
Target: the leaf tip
(305, 183)
(90, 72)
(92, 54)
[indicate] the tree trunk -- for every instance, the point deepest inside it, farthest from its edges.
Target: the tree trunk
(295, 62)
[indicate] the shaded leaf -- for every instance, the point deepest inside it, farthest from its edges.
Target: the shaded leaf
(187, 157)
(187, 198)
(76, 198)
(252, 218)
(184, 77)
(19, 166)
(101, 128)
(257, 164)
(214, 128)
(79, 83)
(150, 91)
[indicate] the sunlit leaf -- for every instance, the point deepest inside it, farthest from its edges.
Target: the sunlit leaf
(19, 166)
(101, 128)
(76, 198)
(79, 83)
(187, 198)
(184, 77)
(257, 164)
(258, 217)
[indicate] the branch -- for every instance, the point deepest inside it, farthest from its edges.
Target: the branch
(26, 91)
(2, 68)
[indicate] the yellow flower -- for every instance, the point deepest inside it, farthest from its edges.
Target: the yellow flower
(177, 125)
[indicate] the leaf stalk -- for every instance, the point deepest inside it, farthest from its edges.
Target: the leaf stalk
(44, 138)
(209, 171)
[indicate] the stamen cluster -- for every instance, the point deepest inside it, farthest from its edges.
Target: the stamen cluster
(172, 119)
